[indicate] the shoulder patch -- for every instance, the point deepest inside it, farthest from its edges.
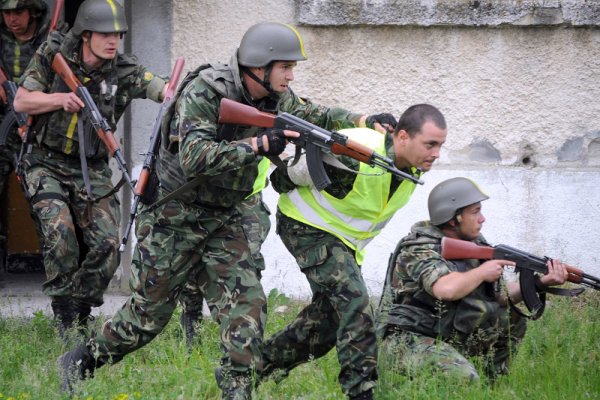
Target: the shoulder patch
(148, 76)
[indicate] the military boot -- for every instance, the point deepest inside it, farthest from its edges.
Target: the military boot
(234, 385)
(75, 366)
(368, 395)
(64, 315)
(83, 316)
(189, 321)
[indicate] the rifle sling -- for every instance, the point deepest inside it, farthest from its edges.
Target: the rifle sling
(542, 290)
(194, 183)
(83, 159)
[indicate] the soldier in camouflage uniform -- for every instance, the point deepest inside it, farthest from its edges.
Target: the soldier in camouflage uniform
(55, 171)
(326, 231)
(256, 224)
(444, 312)
(197, 233)
(23, 28)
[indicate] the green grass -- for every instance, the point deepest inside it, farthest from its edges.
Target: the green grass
(559, 359)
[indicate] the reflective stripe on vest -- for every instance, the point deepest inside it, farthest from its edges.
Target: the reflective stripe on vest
(361, 215)
(261, 180)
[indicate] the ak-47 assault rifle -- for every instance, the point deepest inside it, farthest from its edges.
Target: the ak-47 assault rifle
(526, 264)
(151, 153)
(91, 111)
(11, 117)
(9, 92)
(312, 138)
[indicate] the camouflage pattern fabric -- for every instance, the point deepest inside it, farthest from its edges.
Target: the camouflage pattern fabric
(412, 353)
(17, 54)
(14, 58)
(256, 224)
(112, 87)
(176, 241)
(230, 167)
(340, 306)
(55, 182)
(204, 229)
(58, 184)
(475, 326)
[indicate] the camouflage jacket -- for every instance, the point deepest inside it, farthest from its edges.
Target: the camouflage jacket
(476, 318)
(196, 145)
(112, 87)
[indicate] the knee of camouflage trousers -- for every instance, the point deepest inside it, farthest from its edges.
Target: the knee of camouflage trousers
(412, 354)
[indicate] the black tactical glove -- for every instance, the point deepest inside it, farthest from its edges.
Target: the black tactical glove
(383, 119)
(276, 139)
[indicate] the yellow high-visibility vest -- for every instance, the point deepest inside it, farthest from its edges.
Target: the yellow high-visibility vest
(361, 215)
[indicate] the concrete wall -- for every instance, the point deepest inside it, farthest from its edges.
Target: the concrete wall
(149, 38)
(517, 81)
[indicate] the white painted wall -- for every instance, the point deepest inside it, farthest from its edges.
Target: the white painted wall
(552, 213)
(508, 94)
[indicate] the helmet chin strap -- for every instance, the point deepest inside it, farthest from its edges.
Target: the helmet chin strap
(265, 83)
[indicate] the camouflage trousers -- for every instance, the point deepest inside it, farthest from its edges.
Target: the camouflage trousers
(411, 353)
(175, 241)
(61, 206)
(340, 314)
(256, 224)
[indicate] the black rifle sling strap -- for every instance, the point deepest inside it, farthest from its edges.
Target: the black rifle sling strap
(83, 159)
(194, 183)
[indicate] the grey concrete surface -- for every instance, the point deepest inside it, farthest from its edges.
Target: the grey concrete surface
(21, 296)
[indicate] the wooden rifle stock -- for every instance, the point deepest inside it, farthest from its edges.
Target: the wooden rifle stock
(56, 13)
(456, 249)
(354, 150)
(232, 112)
(3, 78)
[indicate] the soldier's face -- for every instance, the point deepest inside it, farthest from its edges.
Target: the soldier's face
(471, 222)
(282, 74)
(420, 151)
(16, 21)
(103, 46)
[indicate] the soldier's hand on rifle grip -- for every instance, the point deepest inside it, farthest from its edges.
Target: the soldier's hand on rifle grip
(492, 270)
(557, 273)
(272, 141)
(384, 120)
(71, 102)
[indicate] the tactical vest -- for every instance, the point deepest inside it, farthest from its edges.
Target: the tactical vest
(16, 55)
(361, 215)
(226, 191)
(476, 317)
(59, 133)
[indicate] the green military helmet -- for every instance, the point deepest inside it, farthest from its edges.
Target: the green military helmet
(266, 42)
(450, 196)
(106, 16)
(38, 5)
